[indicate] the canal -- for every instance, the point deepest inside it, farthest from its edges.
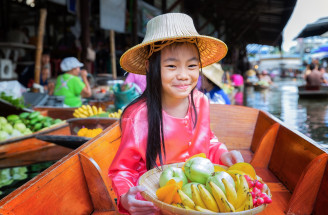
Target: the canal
(309, 116)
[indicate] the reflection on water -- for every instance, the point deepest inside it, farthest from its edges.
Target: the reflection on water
(12, 178)
(309, 116)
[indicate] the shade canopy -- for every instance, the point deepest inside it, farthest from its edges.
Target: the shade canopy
(315, 29)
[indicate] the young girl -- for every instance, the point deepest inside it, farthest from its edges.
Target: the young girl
(170, 121)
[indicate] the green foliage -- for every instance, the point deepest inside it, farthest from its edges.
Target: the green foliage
(18, 102)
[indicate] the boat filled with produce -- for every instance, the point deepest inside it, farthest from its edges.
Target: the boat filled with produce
(26, 123)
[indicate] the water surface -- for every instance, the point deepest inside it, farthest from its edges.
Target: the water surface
(309, 116)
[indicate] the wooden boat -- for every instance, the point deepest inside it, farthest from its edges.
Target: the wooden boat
(31, 149)
(56, 112)
(313, 91)
(259, 87)
(28, 149)
(293, 166)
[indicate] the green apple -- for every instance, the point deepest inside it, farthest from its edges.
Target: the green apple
(217, 179)
(187, 188)
(172, 173)
(198, 169)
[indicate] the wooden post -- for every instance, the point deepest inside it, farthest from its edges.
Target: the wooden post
(112, 52)
(39, 46)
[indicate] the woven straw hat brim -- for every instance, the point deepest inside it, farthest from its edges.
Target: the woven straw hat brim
(211, 50)
(214, 73)
(150, 180)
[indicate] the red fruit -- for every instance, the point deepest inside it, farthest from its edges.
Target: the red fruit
(259, 185)
(257, 191)
(254, 202)
(253, 195)
(250, 184)
(262, 195)
(267, 200)
(260, 201)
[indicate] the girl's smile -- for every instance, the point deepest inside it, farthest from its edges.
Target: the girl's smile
(179, 72)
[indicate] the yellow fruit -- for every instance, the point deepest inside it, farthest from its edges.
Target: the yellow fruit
(233, 173)
(244, 167)
(198, 208)
(94, 110)
(196, 196)
(219, 169)
(207, 198)
(242, 191)
(186, 201)
(230, 191)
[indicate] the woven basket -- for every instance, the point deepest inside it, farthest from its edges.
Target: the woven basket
(150, 180)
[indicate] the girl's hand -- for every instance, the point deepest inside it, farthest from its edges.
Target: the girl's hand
(134, 206)
(232, 157)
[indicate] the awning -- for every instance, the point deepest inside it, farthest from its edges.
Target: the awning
(315, 29)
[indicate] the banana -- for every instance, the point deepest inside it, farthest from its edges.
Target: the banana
(82, 111)
(248, 204)
(89, 110)
(84, 107)
(94, 110)
(196, 196)
(228, 206)
(241, 191)
(230, 192)
(198, 208)
(186, 201)
(219, 196)
(207, 198)
(100, 110)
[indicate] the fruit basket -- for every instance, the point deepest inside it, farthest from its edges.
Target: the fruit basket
(150, 180)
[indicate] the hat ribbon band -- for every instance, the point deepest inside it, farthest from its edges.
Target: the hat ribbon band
(157, 47)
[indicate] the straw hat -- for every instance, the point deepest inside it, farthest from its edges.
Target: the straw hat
(214, 72)
(250, 72)
(169, 28)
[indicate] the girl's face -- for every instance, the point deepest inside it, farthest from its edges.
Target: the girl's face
(179, 70)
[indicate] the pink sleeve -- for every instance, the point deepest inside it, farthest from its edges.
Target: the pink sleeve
(130, 78)
(123, 170)
(216, 149)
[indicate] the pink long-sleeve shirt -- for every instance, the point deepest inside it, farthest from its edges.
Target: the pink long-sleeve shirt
(182, 140)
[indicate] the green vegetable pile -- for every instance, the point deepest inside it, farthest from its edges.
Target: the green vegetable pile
(24, 124)
(18, 102)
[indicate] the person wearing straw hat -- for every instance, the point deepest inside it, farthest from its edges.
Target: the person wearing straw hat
(70, 85)
(212, 84)
(170, 121)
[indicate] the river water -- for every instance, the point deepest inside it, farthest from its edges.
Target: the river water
(309, 116)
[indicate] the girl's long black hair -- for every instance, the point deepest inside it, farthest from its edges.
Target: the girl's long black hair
(152, 97)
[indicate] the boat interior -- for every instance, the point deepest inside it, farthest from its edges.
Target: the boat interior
(293, 166)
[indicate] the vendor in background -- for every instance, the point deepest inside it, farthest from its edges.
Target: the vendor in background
(139, 81)
(212, 84)
(265, 77)
(314, 79)
(26, 77)
(70, 85)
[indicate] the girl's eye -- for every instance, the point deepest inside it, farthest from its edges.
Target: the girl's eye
(193, 66)
(170, 66)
